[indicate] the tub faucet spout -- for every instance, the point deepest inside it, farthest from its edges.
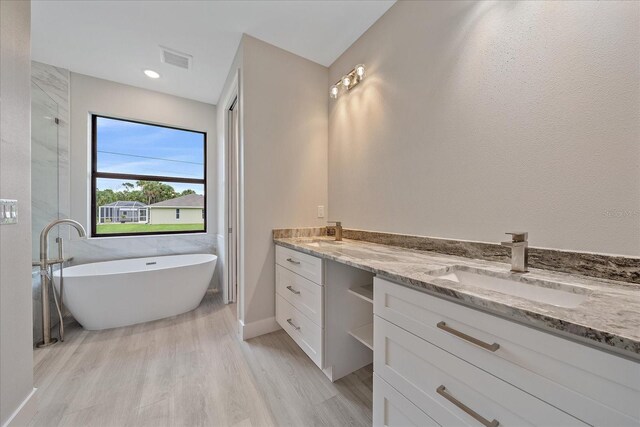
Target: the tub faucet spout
(46, 277)
(44, 238)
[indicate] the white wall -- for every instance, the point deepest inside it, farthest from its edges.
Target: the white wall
(16, 356)
(478, 118)
(92, 95)
(284, 161)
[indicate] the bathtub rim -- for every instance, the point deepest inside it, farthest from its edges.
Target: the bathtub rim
(69, 271)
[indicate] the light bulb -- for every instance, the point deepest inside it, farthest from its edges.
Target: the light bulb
(333, 92)
(151, 74)
(360, 70)
(346, 81)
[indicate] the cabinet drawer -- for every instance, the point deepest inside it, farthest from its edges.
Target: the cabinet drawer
(304, 332)
(305, 265)
(302, 293)
(391, 409)
(599, 388)
(433, 379)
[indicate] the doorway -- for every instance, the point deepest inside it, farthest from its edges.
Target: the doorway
(232, 178)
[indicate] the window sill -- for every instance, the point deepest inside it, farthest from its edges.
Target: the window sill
(159, 235)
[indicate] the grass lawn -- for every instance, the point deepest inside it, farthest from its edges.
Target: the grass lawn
(146, 228)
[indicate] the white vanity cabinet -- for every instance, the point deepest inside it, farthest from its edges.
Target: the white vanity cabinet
(461, 366)
(314, 306)
(300, 301)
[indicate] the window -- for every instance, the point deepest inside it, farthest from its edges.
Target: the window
(141, 174)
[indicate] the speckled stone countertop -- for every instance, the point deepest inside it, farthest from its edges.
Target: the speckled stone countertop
(609, 317)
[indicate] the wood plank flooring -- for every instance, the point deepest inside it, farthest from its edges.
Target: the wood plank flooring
(191, 370)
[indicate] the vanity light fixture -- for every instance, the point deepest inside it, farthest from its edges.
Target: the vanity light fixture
(152, 74)
(348, 81)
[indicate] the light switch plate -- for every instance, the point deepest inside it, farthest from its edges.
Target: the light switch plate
(320, 211)
(8, 211)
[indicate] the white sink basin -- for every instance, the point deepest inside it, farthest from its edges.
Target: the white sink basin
(552, 295)
(321, 243)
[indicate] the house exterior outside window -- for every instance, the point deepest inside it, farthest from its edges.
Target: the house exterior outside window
(185, 209)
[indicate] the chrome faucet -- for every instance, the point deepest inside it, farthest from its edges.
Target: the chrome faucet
(519, 251)
(338, 228)
(46, 278)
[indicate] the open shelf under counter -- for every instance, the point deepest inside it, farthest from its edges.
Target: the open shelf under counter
(363, 292)
(364, 334)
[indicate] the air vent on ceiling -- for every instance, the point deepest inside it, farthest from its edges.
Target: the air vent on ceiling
(173, 57)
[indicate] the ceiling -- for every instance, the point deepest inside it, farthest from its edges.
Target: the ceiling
(117, 40)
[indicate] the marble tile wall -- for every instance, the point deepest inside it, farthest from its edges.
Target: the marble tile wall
(49, 162)
(54, 82)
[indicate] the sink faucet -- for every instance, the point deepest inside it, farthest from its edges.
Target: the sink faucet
(338, 227)
(519, 251)
(46, 278)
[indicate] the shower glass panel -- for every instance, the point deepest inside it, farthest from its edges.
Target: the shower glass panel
(44, 164)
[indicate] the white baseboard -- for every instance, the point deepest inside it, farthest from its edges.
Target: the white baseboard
(25, 412)
(257, 328)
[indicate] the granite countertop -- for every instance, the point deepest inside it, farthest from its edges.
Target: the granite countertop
(609, 317)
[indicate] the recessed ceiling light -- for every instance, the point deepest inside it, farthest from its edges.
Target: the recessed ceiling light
(152, 74)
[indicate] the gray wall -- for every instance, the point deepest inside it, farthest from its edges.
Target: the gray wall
(478, 118)
(16, 356)
(93, 95)
(283, 161)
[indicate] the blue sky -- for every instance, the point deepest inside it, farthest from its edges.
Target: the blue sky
(134, 148)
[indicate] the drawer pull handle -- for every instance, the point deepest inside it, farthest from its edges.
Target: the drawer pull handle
(293, 261)
(293, 290)
(297, 328)
(491, 347)
(442, 391)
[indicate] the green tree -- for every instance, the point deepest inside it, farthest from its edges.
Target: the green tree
(104, 197)
(154, 192)
(147, 192)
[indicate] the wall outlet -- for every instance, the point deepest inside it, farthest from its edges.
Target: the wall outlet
(8, 211)
(320, 211)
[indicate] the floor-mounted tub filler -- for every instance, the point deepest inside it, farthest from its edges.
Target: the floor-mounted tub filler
(118, 293)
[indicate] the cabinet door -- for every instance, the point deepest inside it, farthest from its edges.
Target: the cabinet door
(392, 409)
(597, 387)
(304, 332)
(452, 391)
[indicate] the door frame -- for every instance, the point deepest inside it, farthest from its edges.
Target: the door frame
(231, 205)
(232, 293)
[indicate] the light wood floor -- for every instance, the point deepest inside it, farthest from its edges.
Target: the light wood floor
(191, 370)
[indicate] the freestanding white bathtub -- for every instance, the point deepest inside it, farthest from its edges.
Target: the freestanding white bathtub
(109, 294)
